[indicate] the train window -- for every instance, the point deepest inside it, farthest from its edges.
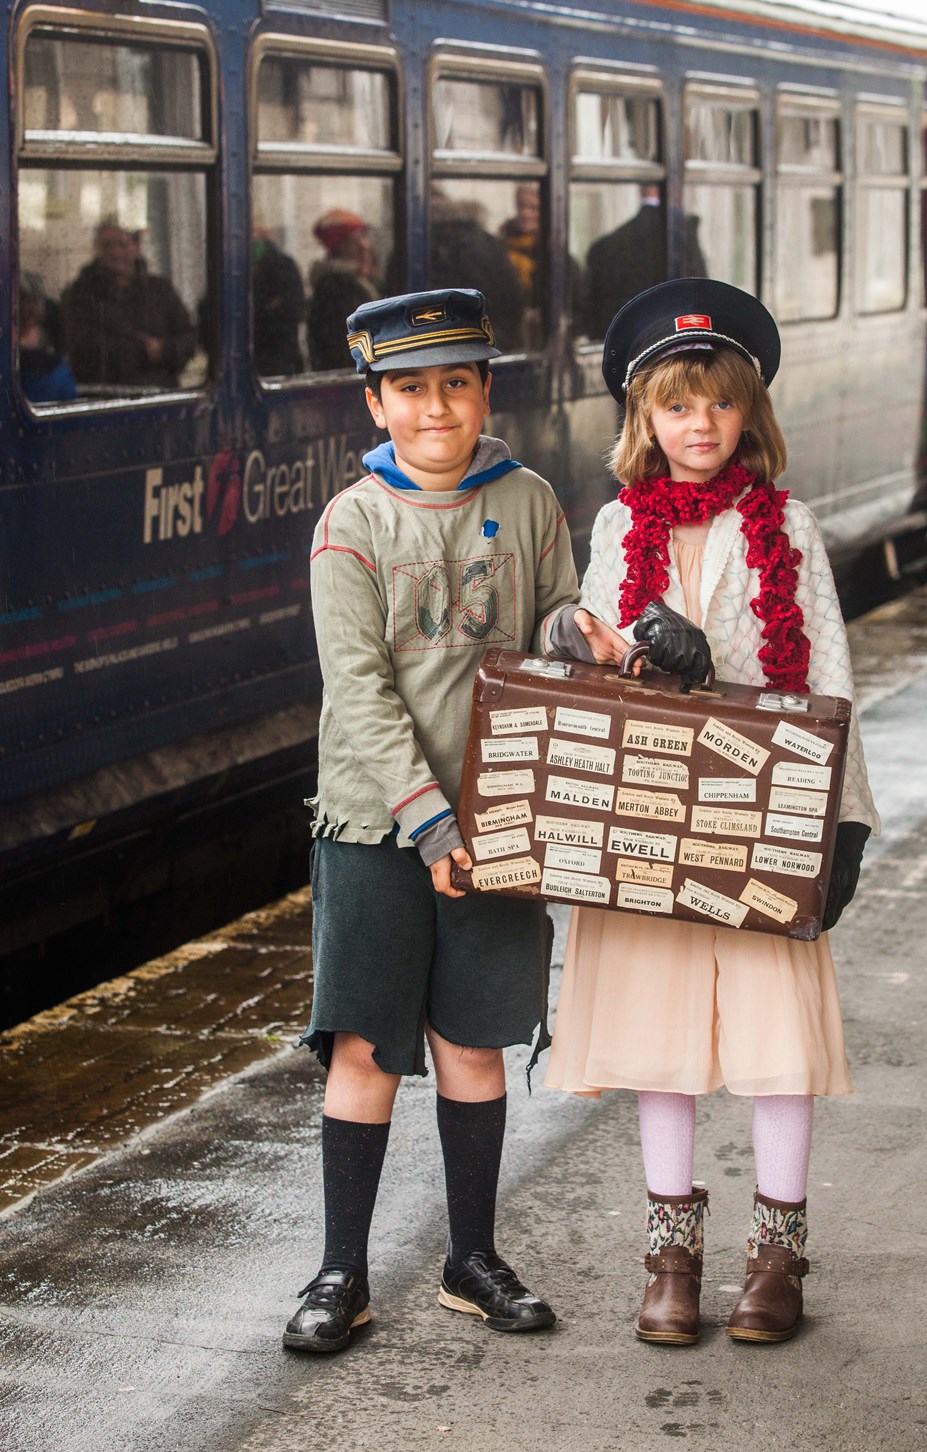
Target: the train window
(98, 87)
(808, 210)
(487, 215)
(722, 182)
(323, 200)
(116, 150)
(322, 105)
(617, 204)
(488, 117)
(881, 211)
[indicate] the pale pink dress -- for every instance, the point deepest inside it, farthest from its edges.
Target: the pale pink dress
(686, 1007)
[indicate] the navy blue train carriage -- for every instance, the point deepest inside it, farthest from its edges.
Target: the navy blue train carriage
(199, 195)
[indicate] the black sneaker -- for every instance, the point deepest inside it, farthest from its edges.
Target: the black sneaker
(336, 1302)
(484, 1285)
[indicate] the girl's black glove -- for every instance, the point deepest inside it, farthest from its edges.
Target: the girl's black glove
(844, 875)
(674, 644)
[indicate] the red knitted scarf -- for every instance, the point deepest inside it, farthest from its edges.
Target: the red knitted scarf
(657, 505)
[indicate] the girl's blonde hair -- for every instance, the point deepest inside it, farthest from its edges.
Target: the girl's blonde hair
(721, 374)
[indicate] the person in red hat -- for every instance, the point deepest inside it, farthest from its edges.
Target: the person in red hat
(340, 282)
(702, 557)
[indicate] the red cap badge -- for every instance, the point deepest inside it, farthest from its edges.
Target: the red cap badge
(692, 320)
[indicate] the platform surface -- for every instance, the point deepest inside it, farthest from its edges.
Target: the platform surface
(159, 1139)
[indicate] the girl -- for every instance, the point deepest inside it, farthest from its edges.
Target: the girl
(706, 560)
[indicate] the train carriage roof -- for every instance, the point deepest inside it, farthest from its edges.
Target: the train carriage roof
(897, 22)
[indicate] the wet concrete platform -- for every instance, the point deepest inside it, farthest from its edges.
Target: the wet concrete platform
(95, 1073)
(160, 1139)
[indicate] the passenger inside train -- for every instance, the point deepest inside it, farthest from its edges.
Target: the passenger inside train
(123, 324)
(339, 282)
(278, 308)
(44, 374)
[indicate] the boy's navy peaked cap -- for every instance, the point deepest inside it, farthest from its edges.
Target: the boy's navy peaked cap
(420, 329)
(688, 313)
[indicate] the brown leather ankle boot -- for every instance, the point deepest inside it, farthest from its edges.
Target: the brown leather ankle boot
(669, 1313)
(770, 1308)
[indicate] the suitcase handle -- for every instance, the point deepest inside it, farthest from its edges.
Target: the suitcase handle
(640, 652)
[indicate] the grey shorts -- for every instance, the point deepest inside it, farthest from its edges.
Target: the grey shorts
(390, 955)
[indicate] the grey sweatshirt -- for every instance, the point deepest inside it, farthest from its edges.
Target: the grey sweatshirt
(409, 588)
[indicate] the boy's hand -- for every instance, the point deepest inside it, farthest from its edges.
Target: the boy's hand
(607, 646)
(441, 871)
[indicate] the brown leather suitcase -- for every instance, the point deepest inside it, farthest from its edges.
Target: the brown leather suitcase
(585, 785)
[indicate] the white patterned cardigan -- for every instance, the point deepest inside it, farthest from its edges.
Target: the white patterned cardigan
(734, 632)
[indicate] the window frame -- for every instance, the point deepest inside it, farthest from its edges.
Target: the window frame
(886, 108)
(747, 97)
(478, 66)
(310, 156)
(446, 165)
(795, 103)
(588, 79)
(696, 172)
(311, 159)
(80, 152)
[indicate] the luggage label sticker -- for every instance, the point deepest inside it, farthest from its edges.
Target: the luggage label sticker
(734, 747)
(645, 899)
(512, 723)
(501, 844)
(719, 856)
(803, 743)
(790, 861)
(766, 900)
(506, 814)
(655, 846)
(520, 872)
(797, 774)
(651, 736)
(569, 831)
(727, 789)
(651, 771)
(575, 793)
(725, 822)
(573, 859)
(511, 748)
(801, 804)
(575, 885)
(802, 829)
(577, 757)
(644, 873)
(583, 723)
(664, 805)
(713, 904)
(504, 783)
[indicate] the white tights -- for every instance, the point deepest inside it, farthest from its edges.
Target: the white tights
(781, 1143)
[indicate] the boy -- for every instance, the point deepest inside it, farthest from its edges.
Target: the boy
(448, 546)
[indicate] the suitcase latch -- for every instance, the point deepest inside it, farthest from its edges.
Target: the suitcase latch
(783, 701)
(557, 670)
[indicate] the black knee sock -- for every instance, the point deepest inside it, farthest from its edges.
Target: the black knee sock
(471, 1138)
(352, 1158)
